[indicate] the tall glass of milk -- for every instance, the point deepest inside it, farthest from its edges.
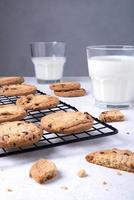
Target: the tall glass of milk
(111, 69)
(48, 59)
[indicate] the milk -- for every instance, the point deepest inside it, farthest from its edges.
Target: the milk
(112, 78)
(48, 68)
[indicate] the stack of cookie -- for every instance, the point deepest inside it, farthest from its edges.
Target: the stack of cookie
(68, 89)
(14, 86)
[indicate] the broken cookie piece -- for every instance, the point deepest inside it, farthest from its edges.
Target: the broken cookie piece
(111, 116)
(43, 170)
(64, 187)
(113, 158)
(9, 190)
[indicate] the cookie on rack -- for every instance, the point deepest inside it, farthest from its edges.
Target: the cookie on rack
(67, 122)
(11, 112)
(71, 93)
(18, 134)
(17, 90)
(63, 86)
(37, 102)
(112, 116)
(113, 158)
(9, 80)
(43, 170)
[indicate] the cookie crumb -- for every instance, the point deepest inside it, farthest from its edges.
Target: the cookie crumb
(104, 183)
(82, 173)
(127, 133)
(119, 173)
(9, 190)
(107, 189)
(111, 116)
(64, 187)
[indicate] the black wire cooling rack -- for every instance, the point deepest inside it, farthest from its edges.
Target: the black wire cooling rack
(48, 140)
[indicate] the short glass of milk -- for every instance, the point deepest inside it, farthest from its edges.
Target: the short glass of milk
(111, 69)
(48, 59)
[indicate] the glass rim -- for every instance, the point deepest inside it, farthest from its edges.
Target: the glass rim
(110, 47)
(49, 42)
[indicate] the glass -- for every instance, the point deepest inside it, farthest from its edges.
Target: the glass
(111, 69)
(48, 59)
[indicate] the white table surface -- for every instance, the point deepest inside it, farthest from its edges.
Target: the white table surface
(69, 159)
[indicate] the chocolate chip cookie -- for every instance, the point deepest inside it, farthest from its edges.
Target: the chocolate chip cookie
(18, 134)
(43, 170)
(17, 90)
(63, 86)
(67, 122)
(71, 93)
(113, 158)
(9, 80)
(37, 102)
(11, 113)
(111, 116)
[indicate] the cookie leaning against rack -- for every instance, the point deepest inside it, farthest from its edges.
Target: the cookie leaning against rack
(11, 112)
(67, 122)
(18, 134)
(37, 102)
(113, 158)
(9, 80)
(17, 90)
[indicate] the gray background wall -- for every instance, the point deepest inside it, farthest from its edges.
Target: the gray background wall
(77, 22)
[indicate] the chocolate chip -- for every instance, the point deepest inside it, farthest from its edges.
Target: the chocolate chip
(26, 133)
(34, 137)
(102, 152)
(126, 154)
(29, 98)
(114, 151)
(50, 125)
(104, 112)
(5, 113)
(30, 139)
(19, 124)
(14, 144)
(36, 104)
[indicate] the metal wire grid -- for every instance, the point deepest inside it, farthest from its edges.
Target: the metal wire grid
(48, 140)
